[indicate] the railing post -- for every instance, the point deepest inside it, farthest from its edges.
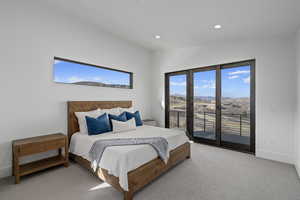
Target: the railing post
(178, 119)
(240, 125)
(204, 121)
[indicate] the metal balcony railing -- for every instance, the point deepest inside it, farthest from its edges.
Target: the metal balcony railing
(177, 118)
(231, 123)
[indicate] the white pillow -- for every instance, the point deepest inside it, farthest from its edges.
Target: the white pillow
(82, 121)
(113, 111)
(119, 126)
(131, 110)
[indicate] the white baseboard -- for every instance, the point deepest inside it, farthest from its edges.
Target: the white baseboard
(280, 157)
(5, 172)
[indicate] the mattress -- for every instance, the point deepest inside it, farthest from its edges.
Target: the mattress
(119, 160)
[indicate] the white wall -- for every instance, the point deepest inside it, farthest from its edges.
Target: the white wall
(275, 86)
(31, 103)
(297, 114)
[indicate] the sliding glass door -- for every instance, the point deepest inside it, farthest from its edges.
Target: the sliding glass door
(177, 101)
(216, 104)
(237, 130)
(204, 106)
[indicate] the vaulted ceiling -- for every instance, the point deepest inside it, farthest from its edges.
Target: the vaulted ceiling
(182, 23)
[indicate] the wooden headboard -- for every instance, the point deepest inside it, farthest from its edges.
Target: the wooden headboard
(84, 106)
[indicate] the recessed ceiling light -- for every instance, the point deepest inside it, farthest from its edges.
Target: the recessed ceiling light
(217, 26)
(157, 37)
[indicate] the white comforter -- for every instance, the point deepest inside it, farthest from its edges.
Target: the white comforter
(119, 160)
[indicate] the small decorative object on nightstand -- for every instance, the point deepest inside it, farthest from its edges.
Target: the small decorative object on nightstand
(39, 144)
(150, 122)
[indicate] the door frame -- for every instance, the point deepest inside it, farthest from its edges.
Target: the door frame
(215, 142)
(190, 104)
(240, 147)
(167, 95)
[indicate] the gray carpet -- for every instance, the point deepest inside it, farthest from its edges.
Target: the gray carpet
(211, 174)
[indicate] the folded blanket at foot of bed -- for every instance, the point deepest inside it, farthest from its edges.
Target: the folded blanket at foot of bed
(160, 145)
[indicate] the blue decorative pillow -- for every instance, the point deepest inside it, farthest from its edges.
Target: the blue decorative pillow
(137, 117)
(122, 117)
(99, 125)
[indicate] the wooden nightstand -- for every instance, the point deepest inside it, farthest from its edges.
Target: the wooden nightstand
(29, 146)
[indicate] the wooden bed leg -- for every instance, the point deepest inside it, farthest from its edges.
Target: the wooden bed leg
(188, 156)
(128, 195)
(189, 153)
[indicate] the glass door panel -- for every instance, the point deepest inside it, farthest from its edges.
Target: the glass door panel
(204, 115)
(177, 101)
(235, 105)
(214, 104)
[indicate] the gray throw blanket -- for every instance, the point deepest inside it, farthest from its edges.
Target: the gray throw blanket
(160, 145)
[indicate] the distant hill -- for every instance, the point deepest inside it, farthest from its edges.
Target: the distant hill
(211, 98)
(206, 98)
(207, 104)
(178, 95)
(99, 84)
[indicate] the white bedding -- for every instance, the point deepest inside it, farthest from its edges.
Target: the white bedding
(119, 160)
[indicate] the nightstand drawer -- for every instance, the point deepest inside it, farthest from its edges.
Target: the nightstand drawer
(38, 147)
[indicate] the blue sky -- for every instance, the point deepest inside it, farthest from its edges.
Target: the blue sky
(235, 83)
(68, 72)
(178, 84)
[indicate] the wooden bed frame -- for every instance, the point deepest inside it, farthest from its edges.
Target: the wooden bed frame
(137, 178)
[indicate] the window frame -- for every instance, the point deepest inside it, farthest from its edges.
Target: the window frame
(97, 66)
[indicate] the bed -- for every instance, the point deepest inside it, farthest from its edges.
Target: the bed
(142, 163)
